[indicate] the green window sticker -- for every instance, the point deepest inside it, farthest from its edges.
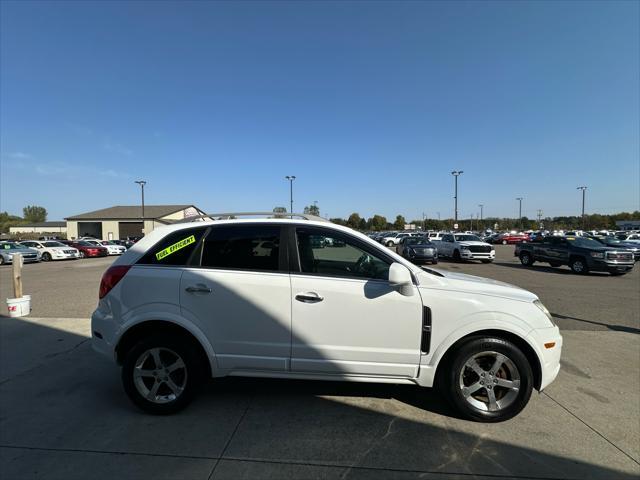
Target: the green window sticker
(175, 247)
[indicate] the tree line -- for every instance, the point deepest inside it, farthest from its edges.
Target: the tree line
(30, 214)
(594, 221)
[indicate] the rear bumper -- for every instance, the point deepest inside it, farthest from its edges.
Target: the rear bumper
(103, 337)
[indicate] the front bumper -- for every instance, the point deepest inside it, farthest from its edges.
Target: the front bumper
(598, 265)
(549, 357)
(468, 255)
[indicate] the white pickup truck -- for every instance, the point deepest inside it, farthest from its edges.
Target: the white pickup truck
(462, 246)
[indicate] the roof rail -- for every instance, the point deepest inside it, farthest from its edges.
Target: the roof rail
(227, 216)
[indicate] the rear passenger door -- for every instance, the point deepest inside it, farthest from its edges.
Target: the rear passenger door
(239, 290)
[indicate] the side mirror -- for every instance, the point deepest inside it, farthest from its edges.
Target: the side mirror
(400, 278)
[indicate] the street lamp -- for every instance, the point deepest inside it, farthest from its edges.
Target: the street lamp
(456, 174)
(520, 211)
(291, 178)
(142, 183)
(584, 189)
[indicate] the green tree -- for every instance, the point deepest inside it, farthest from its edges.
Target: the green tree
(279, 211)
(399, 223)
(34, 213)
(312, 210)
(338, 221)
(354, 220)
(377, 222)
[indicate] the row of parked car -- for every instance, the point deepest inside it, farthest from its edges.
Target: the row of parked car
(49, 250)
(581, 251)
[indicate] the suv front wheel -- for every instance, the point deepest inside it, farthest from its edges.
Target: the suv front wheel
(161, 374)
(488, 379)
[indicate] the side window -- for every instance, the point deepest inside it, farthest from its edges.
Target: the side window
(175, 249)
(324, 252)
(242, 247)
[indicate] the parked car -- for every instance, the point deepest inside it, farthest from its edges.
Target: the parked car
(418, 250)
(124, 243)
(511, 238)
(436, 236)
(632, 237)
(581, 254)
(9, 249)
(393, 239)
(461, 246)
(112, 248)
(357, 313)
(52, 250)
(619, 244)
(87, 249)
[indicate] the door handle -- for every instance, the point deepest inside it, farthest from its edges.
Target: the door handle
(309, 297)
(198, 289)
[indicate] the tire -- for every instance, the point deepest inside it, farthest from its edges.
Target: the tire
(579, 265)
(389, 243)
(81, 254)
(186, 377)
(486, 261)
(554, 264)
(456, 256)
(2, 260)
(526, 259)
(462, 370)
(434, 262)
(46, 257)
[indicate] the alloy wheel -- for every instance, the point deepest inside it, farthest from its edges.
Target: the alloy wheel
(489, 381)
(160, 375)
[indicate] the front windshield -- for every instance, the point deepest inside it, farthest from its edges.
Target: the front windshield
(467, 238)
(12, 246)
(584, 242)
(54, 244)
(415, 240)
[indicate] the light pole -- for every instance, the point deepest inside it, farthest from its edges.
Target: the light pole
(456, 174)
(291, 178)
(584, 189)
(481, 207)
(142, 183)
(520, 211)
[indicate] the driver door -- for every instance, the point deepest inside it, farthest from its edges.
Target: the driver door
(346, 319)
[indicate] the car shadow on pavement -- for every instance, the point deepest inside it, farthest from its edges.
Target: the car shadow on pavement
(549, 269)
(65, 415)
(617, 328)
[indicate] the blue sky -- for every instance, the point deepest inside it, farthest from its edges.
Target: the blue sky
(370, 104)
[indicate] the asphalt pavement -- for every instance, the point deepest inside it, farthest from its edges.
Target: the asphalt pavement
(63, 413)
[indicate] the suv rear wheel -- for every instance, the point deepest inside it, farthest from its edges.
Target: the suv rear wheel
(488, 379)
(162, 373)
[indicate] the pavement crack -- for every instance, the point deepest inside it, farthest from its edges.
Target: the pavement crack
(594, 430)
(233, 434)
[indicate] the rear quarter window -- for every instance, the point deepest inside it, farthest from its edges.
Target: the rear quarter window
(175, 249)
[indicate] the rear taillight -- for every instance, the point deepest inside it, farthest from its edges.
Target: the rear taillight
(111, 277)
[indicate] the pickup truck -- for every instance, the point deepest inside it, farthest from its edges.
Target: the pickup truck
(461, 246)
(581, 254)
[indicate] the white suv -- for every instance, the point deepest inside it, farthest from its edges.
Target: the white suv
(266, 298)
(463, 246)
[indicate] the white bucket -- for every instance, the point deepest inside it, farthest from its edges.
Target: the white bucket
(19, 307)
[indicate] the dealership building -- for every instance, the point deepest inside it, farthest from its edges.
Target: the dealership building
(41, 227)
(122, 221)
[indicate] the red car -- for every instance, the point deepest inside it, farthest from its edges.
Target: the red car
(511, 238)
(87, 249)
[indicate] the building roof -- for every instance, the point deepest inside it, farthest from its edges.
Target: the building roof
(56, 224)
(130, 212)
